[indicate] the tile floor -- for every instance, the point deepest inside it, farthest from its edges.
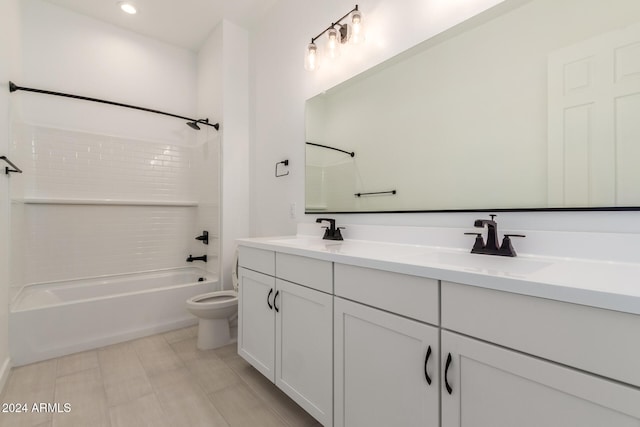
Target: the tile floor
(161, 380)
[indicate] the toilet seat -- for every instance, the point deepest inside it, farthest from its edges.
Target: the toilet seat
(213, 298)
(217, 299)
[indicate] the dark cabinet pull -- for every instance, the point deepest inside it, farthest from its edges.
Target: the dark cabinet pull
(268, 302)
(426, 360)
(446, 372)
(274, 301)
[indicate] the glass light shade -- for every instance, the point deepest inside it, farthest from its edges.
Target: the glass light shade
(357, 31)
(311, 57)
(333, 43)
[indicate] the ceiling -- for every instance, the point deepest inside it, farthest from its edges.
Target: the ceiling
(184, 23)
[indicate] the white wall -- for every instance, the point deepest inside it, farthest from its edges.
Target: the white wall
(9, 69)
(280, 86)
(235, 148)
(68, 52)
(235, 151)
(209, 105)
(223, 92)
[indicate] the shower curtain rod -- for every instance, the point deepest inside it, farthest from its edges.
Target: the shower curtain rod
(351, 153)
(193, 123)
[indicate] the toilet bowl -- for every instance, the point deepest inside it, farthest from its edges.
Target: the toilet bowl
(215, 310)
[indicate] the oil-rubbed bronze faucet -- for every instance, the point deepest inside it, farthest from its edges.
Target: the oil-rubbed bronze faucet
(491, 247)
(331, 232)
(197, 258)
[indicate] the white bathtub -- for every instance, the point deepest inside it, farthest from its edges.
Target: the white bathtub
(54, 319)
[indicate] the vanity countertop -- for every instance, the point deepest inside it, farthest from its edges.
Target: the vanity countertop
(602, 284)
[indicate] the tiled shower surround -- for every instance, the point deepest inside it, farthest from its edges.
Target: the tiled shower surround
(68, 164)
(89, 205)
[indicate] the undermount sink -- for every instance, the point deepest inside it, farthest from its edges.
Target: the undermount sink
(488, 263)
(310, 242)
(374, 250)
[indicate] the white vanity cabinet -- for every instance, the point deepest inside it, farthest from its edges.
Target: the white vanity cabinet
(534, 382)
(285, 329)
(371, 342)
(386, 365)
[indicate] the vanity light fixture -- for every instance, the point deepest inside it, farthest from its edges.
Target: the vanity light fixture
(357, 35)
(311, 57)
(338, 33)
(333, 43)
(128, 8)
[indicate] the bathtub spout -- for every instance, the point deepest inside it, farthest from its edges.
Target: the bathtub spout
(197, 258)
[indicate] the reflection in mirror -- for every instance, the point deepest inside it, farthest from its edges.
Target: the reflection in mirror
(531, 105)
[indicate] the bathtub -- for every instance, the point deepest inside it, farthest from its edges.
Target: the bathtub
(54, 319)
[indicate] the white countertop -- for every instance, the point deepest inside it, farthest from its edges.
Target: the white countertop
(603, 284)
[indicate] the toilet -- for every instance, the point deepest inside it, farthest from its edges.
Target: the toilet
(215, 310)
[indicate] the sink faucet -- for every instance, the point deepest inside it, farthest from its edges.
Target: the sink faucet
(197, 258)
(331, 232)
(491, 247)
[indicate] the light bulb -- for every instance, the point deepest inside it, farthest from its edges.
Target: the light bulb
(333, 43)
(311, 57)
(357, 32)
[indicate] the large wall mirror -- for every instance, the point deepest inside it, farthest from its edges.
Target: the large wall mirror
(532, 105)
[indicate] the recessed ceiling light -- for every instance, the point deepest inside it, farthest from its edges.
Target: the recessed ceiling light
(128, 8)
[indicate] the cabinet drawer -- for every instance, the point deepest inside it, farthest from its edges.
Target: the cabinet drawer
(313, 273)
(601, 341)
(257, 260)
(410, 296)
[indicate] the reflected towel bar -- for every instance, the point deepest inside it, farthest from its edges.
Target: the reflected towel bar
(6, 169)
(375, 193)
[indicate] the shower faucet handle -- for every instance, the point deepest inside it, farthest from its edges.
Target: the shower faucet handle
(204, 237)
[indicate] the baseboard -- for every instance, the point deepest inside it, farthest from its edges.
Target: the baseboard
(5, 369)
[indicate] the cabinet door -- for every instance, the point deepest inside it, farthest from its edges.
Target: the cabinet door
(495, 387)
(304, 348)
(256, 320)
(381, 368)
